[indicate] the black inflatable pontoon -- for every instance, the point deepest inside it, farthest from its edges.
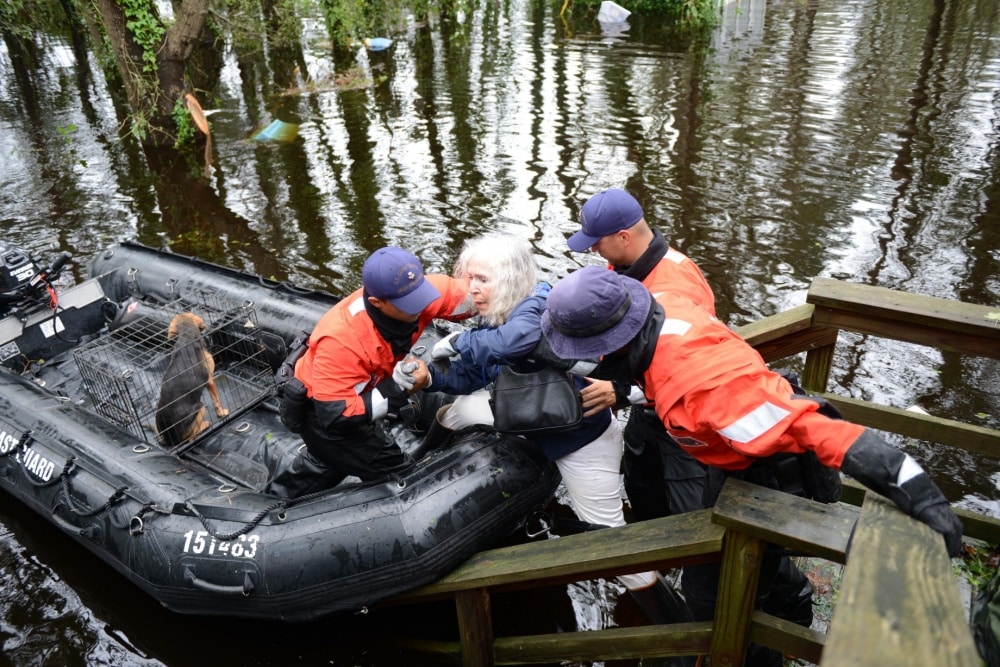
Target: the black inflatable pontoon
(79, 375)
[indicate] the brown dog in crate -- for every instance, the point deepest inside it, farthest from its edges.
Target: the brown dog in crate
(180, 414)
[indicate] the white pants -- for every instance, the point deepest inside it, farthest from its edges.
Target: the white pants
(591, 474)
(468, 410)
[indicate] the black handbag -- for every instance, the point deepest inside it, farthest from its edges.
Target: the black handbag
(545, 401)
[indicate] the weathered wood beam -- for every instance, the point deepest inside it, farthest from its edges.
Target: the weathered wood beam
(926, 320)
(917, 425)
(659, 543)
(898, 603)
(800, 524)
(649, 641)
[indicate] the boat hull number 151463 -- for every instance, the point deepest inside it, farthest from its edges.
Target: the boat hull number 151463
(200, 542)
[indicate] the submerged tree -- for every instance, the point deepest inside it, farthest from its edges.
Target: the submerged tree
(161, 60)
(152, 59)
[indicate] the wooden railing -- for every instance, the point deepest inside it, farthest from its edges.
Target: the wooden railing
(898, 603)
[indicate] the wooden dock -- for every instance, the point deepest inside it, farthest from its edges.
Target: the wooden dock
(898, 603)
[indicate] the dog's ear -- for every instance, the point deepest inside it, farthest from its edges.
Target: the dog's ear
(172, 329)
(201, 323)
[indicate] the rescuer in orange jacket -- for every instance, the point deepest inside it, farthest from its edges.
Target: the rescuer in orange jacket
(352, 377)
(660, 477)
(721, 403)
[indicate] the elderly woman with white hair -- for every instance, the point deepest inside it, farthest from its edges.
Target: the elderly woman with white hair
(505, 290)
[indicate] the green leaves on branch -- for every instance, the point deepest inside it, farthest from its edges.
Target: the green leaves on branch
(146, 28)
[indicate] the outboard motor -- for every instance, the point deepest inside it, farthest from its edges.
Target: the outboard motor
(36, 321)
(17, 269)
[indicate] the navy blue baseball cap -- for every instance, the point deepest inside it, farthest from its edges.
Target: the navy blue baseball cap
(397, 276)
(593, 312)
(607, 212)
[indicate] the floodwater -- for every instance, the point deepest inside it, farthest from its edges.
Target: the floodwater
(855, 139)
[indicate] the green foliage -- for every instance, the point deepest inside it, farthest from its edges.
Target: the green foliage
(146, 28)
(186, 130)
(346, 20)
(23, 18)
(690, 13)
(977, 563)
(13, 19)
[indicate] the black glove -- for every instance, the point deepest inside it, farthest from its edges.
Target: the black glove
(401, 405)
(877, 464)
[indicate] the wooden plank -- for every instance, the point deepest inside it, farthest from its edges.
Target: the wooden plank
(436, 651)
(787, 637)
(648, 641)
(786, 520)
(475, 627)
(742, 557)
(777, 326)
(787, 334)
(976, 525)
(656, 544)
(926, 320)
(916, 425)
(898, 602)
(979, 526)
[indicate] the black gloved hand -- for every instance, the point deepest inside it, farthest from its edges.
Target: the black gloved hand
(410, 412)
(886, 470)
(401, 404)
(943, 520)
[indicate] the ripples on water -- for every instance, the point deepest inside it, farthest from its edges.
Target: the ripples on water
(853, 139)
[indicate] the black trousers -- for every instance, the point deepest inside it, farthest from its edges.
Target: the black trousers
(660, 478)
(784, 591)
(367, 453)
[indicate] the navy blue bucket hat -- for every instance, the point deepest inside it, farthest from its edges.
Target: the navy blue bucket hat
(593, 312)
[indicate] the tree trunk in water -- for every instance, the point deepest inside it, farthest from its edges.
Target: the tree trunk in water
(152, 95)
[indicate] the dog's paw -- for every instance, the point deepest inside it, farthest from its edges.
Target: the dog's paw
(221, 412)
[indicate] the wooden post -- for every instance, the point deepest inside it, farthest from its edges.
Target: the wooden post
(816, 372)
(475, 626)
(741, 562)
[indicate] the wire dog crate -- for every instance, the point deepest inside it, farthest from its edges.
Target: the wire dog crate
(123, 370)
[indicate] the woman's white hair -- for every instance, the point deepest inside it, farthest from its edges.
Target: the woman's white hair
(513, 272)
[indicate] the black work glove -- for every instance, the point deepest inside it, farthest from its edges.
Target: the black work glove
(401, 404)
(877, 464)
(944, 521)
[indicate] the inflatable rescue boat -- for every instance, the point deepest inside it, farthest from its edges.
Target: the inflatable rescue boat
(80, 373)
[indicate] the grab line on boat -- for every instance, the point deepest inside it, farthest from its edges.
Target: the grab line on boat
(228, 537)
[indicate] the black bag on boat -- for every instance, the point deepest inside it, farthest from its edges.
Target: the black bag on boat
(292, 408)
(544, 401)
(293, 396)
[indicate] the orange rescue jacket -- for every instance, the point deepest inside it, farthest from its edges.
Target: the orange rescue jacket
(347, 356)
(720, 402)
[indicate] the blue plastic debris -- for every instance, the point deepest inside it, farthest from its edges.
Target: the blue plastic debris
(377, 43)
(278, 131)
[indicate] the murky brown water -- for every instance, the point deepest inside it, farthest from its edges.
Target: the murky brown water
(856, 139)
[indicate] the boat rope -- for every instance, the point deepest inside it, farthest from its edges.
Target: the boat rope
(21, 445)
(136, 525)
(229, 537)
(114, 498)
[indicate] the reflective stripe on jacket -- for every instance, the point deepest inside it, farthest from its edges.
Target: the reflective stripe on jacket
(720, 402)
